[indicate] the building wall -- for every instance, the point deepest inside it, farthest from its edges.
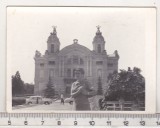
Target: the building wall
(60, 64)
(55, 66)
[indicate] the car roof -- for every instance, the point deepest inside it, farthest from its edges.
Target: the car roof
(35, 96)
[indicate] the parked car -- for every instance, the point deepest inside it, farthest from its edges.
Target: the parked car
(55, 98)
(69, 100)
(38, 100)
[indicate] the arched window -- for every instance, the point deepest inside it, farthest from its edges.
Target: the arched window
(99, 48)
(52, 48)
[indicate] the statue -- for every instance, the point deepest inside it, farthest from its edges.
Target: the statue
(98, 30)
(37, 54)
(54, 29)
(116, 53)
(98, 27)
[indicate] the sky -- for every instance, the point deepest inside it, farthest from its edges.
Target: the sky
(29, 27)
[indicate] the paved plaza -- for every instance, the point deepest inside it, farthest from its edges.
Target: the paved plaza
(43, 107)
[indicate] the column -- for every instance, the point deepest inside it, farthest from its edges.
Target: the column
(63, 59)
(87, 66)
(90, 66)
(61, 66)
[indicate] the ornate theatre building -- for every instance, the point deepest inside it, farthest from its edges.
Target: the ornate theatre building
(59, 64)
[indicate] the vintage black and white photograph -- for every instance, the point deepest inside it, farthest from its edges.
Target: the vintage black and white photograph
(98, 59)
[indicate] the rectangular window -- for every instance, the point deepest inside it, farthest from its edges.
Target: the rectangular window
(81, 61)
(75, 60)
(99, 62)
(99, 48)
(68, 72)
(52, 48)
(110, 64)
(41, 64)
(51, 62)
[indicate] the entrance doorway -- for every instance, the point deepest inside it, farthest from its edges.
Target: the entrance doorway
(75, 69)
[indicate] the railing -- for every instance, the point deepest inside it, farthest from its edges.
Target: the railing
(123, 106)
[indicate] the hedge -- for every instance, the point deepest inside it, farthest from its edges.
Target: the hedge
(18, 101)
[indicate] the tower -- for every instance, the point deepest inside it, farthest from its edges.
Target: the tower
(98, 42)
(53, 44)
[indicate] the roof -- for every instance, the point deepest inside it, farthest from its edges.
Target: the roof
(111, 55)
(98, 37)
(75, 47)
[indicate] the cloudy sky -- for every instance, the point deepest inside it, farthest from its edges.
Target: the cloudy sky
(28, 28)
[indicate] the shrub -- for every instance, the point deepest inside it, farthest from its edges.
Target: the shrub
(18, 101)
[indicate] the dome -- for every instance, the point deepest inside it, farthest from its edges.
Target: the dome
(98, 37)
(75, 47)
(53, 37)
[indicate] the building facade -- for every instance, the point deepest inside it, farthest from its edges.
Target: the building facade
(60, 65)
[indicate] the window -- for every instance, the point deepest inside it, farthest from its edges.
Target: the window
(33, 98)
(68, 72)
(74, 73)
(110, 64)
(82, 72)
(52, 48)
(81, 61)
(41, 64)
(99, 48)
(51, 62)
(99, 62)
(75, 59)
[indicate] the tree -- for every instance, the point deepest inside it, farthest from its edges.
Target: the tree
(49, 92)
(129, 85)
(29, 88)
(17, 85)
(100, 89)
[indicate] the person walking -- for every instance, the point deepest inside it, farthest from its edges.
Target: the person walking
(81, 91)
(62, 99)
